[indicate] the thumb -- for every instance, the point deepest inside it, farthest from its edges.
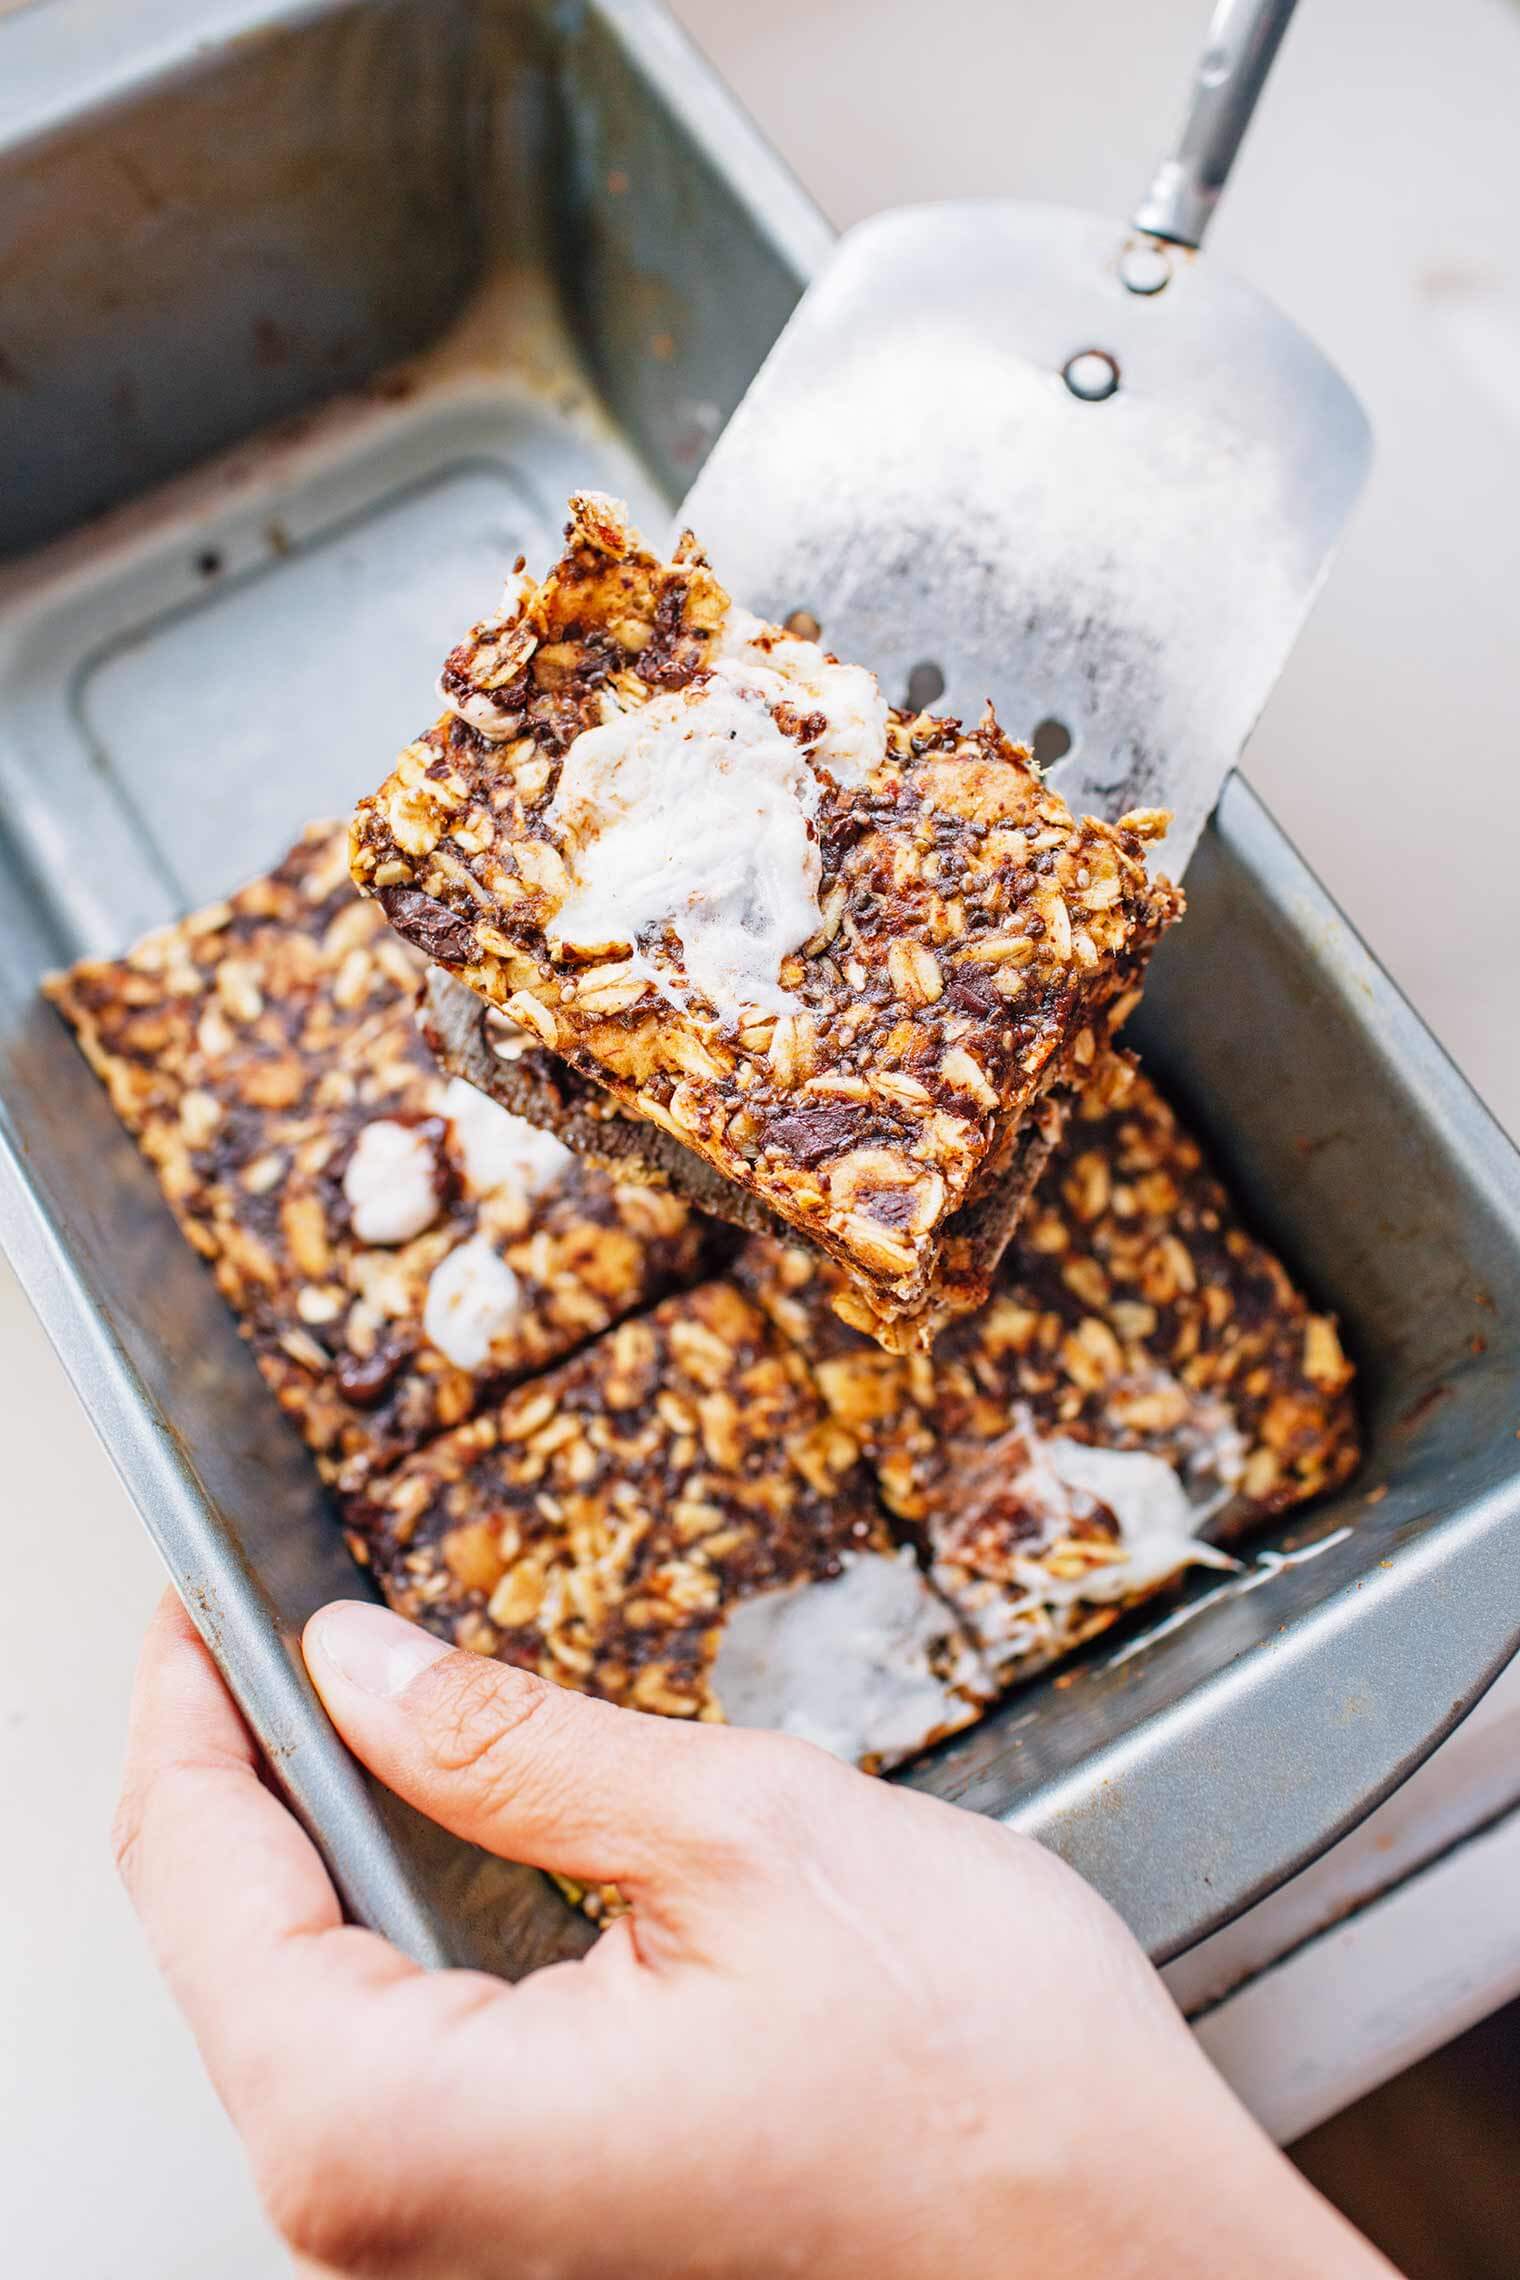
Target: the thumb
(529, 1770)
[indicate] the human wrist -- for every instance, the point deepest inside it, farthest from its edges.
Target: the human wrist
(1185, 2187)
(1217, 2197)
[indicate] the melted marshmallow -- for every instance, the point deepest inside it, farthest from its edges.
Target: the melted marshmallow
(693, 811)
(472, 1298)
(785, 670)
(499, 1149)
(846, 1663)
(1216, 1452)
(391, 1183)
(1156, 1518)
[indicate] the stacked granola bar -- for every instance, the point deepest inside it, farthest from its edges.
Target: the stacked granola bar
(570, 1422)
(844, 955)
(699, 1513)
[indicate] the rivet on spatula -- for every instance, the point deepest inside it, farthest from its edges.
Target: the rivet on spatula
(1145, 268)
(1091, 374)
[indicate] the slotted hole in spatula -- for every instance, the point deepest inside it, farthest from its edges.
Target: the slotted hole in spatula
(925, 683)
(1051, 742)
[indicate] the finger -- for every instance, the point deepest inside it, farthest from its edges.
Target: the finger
(528, 1769)
(236, 1903)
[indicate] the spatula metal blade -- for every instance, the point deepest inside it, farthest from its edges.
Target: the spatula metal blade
(911, 467)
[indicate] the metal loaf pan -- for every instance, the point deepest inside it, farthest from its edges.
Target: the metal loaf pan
(312, 316)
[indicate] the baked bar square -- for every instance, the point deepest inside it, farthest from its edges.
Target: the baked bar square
(484, 1046)
(841, 952)
(396, 1247)
(674, 1521)
(1145, 1371)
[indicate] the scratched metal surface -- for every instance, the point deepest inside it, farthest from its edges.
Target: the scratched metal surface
(585, 299)
(1122, 575)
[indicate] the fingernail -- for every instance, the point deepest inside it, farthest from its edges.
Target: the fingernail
(372, 1648)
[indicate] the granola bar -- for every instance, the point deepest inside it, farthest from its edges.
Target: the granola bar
(673, 1521)
(397, 1249)
(840, 952)
(1145, 1369)
(486, 1048)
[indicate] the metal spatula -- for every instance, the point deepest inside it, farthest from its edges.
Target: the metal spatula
(1014, 451)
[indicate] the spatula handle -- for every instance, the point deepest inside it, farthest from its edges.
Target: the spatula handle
(1243, 39)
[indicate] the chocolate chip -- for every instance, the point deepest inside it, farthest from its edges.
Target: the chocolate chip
(893, 1206)
(437, 931)
(808, 1135)
(974, 996)
(365, 1381)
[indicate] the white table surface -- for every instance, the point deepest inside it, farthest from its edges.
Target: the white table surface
(1379, 201)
